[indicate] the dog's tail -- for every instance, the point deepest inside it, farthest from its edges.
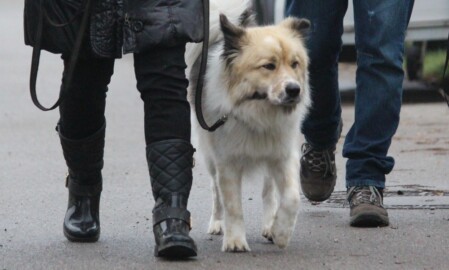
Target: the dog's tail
(237, 11)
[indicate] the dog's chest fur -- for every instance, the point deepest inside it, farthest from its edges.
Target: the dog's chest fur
(237, 140)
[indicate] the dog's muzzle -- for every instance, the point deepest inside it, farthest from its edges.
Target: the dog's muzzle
(292, 97)
(292, 90)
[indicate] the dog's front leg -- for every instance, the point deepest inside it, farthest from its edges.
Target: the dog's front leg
(216, 219)
(230, 188)
(286, 178)
(270, 206)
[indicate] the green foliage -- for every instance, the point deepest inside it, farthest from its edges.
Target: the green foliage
(433, 65)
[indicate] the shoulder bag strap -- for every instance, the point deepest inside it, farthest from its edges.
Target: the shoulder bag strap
(73, 58)
(202, 72)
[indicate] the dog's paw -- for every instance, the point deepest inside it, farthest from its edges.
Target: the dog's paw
(215, 227)
(281, 236)
(281, 240)
(235, 244)
(266, 232)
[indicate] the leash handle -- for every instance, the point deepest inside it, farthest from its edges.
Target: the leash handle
(73, 58)
(202, 72)
(444, 86)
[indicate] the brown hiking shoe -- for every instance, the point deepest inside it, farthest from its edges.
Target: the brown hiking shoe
(318, 173)
(367, 210)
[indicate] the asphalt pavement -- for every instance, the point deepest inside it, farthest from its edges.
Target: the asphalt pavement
(33, 198)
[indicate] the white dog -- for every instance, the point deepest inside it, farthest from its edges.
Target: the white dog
(256, 77)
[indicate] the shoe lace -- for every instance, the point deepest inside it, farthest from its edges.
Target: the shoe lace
(319, 161)
(361, 195)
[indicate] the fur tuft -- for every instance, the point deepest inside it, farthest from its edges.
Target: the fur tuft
(248, 18)
(301, 26)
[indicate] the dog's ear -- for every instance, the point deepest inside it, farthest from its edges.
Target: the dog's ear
(247, 18)
(300, 26)
(232, 38)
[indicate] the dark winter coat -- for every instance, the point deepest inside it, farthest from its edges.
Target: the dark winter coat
(148, 23)
(139, 25)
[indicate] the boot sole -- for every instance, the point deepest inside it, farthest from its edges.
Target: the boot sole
(318, 199)
(175, 250)
(313, 196)
(369, 220)
(72, 238)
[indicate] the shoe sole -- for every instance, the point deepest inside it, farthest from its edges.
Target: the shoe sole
(318, 199)
(176, 250)
(72, 238)
(369, 220)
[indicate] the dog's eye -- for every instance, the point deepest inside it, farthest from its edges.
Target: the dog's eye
(269, 66)
(295, 64)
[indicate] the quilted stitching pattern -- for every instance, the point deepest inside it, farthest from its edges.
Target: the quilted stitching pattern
(84, 157)
(170, 165)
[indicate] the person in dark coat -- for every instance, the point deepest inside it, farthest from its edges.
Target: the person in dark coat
(156, 32)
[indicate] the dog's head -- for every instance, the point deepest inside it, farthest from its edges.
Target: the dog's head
(266, 63)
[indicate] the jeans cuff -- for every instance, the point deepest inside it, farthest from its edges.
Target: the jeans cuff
(322, 147)
(366, 182)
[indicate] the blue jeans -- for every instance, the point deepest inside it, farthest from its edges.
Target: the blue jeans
(379, 32)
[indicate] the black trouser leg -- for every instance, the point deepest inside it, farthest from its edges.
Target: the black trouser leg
(163, 86)
(82, 132)
(83, 107)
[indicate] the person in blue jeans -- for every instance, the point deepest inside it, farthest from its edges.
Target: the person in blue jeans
(380, 28)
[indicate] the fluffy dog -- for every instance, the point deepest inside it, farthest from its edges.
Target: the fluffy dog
(256, 77)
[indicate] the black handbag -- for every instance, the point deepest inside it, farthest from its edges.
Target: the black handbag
(57, 26)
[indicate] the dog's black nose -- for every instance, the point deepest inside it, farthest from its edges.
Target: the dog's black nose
(292, 90)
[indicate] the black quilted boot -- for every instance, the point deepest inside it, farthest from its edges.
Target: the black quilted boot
(84, 159)
(170, 164)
